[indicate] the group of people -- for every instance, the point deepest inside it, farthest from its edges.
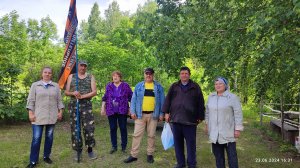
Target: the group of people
(183, 107)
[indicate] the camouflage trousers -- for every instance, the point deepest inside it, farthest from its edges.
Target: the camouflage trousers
(86, 124)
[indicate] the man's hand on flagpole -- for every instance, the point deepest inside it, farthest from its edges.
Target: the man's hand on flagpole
(77, 94)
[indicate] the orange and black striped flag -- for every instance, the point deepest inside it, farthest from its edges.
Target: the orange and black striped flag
(70, 38)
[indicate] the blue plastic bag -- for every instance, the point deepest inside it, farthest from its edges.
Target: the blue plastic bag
(167, 138)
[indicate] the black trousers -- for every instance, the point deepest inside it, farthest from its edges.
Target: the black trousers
(183, 132)
(218, 150)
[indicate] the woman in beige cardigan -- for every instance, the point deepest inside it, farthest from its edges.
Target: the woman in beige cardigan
(44, 105)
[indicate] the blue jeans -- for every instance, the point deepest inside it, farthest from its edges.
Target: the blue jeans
(218, 150)
(37, 131)
(114, 120)
(183, 132)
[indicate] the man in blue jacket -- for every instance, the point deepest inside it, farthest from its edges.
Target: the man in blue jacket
(146, 110)
(184, 108)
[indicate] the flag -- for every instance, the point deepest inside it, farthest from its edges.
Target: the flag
(70, 39)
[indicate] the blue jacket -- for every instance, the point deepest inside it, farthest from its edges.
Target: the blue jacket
(138, 96)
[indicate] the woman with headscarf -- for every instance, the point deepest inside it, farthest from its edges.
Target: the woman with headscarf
(44, 105)
(224, 121)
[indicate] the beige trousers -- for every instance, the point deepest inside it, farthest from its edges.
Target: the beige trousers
(139, 127)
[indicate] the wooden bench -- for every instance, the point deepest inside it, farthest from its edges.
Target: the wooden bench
(290, 132)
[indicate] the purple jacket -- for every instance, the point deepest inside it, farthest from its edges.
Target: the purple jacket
(126, 94)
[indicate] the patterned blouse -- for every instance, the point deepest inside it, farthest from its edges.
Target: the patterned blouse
(117, 98)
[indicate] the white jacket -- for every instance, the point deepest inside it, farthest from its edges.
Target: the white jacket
(223, 116)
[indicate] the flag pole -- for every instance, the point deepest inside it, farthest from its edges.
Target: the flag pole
(69, 61)
(77, 107)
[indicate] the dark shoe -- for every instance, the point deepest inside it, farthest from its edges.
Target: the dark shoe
(113, 150)
(31, 165)
(48, 160)
(92, 155)
(150, 159)
(130, 159)
(124, 150)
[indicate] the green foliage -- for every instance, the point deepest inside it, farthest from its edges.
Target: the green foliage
(12, 47)
(255, 44)
(24, 49)
(117, 48)
(113, 17)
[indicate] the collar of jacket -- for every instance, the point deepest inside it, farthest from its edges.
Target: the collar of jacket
(154, 82)
(191, 83)
(225, 94)
(110, 84)
(40, 83)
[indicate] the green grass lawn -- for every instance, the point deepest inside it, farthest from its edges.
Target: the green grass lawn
(255, 149)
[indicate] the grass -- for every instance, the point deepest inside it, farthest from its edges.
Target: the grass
(255, 148)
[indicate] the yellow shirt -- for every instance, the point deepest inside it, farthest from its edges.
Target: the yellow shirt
(149, 97)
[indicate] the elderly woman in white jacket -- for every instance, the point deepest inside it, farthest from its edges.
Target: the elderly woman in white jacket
(224, 121)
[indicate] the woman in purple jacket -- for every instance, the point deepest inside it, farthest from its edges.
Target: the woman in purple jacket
(115, 104)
